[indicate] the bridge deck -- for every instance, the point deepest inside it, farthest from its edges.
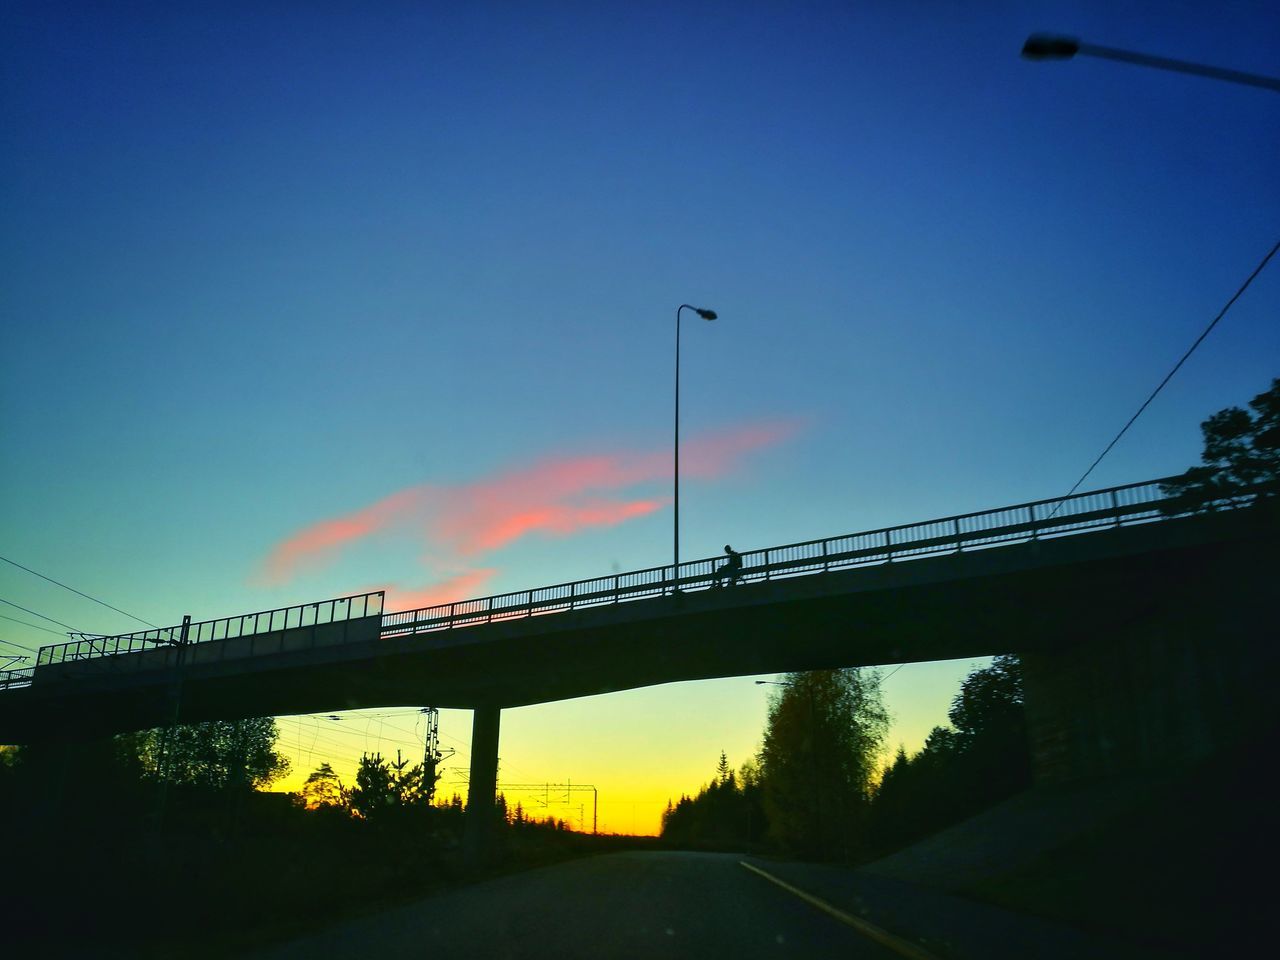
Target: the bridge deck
(346, 653)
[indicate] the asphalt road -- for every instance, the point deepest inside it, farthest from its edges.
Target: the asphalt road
(642, 905)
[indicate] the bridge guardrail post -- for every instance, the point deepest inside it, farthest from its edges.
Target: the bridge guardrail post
(826, 558)
(1031, 517)
(766, 563)
(955, 525)
(1115, 507)
(888, 548)
(453, 614)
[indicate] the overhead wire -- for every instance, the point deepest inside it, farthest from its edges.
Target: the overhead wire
(33, 626)
(40, 615)
(459, 740)
(80, 593)
(354, 748)
(20, 646)
(414, 741)
(1169, 376)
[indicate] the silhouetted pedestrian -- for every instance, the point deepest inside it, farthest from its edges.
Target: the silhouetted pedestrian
(731, 569)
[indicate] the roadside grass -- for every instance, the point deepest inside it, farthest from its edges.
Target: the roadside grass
(1175, 870)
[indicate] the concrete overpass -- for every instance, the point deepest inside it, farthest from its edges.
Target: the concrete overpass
(1067, 584)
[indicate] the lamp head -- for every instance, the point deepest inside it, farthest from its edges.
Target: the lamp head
(1046, 46)
(705, 314)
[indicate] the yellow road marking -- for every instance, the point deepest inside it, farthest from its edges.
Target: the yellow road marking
(904, 947)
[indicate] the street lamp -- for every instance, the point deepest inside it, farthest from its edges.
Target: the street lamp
(1045, 46)
(675, 555)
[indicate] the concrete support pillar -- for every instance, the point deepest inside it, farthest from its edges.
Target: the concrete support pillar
(481, 823)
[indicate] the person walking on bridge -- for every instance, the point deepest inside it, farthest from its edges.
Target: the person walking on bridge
(731, 569)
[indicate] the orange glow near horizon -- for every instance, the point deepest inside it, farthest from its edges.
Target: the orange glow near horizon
(639, 748)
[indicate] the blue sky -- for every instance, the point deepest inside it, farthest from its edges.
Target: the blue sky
(266, 265)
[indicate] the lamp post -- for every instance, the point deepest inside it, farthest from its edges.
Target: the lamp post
(675, 554)
(1045, 46)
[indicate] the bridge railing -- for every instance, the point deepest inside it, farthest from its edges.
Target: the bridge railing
(225, 628)
(16, 678)
(1039, 519)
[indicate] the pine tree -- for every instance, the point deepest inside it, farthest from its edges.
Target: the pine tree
(1241, 459)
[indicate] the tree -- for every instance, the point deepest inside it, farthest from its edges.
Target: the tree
(372, 793)
(959, 771)
(726, 813)
(383, 788)
(323, 788)
(991, 734)
(821, 744)
(990, 702)
(230, 755)
(1240, 462)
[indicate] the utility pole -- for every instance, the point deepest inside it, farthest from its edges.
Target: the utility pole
(175, 694)
(432, 753)
(569, 788)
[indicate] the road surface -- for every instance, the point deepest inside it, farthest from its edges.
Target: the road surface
(642, 905)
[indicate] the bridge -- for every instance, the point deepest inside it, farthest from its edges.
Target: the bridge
(291, 648)
(1066, 583)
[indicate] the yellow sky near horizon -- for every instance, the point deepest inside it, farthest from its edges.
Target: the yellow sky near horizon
(607, 741)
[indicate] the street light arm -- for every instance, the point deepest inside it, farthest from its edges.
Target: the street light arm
(1041, 46)
(1182, 66)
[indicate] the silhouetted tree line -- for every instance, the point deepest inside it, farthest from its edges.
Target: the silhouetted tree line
(1241, 459)
(809, 789)
(393, 793)
(981, 759)
(727, 813)
(815, 790)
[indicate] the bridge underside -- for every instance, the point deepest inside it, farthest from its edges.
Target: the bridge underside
(1029, 597)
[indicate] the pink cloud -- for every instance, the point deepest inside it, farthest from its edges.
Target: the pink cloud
(322, 541)
(553, 497)
(461, 587)
(493, 512)
(555, 518)
(715, 455)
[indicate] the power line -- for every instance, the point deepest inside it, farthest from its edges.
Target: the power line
(33, 626)
(353, 748)
(1169, 376)
(78, 592)
(20, 646)
(40, 615)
